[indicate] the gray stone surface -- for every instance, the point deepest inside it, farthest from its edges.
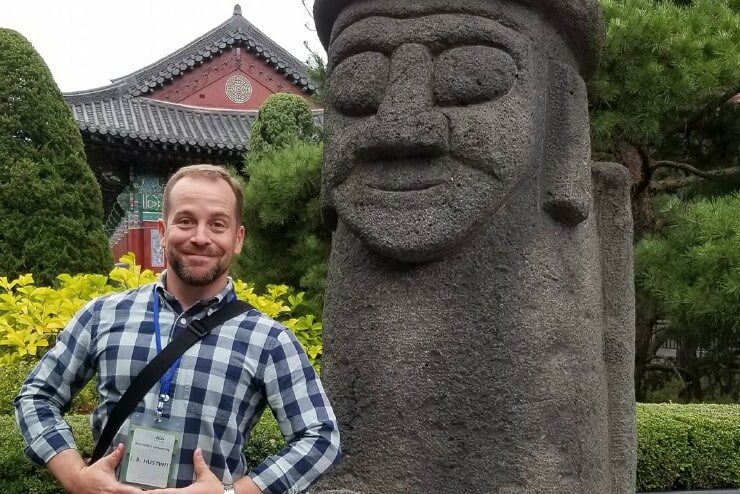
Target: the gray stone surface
(479, 315)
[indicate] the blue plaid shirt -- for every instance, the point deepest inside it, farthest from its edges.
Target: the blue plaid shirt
(221, 386)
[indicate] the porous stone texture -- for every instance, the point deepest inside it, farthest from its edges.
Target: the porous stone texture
(479, 315)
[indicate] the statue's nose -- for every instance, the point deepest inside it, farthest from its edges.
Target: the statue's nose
(407, 123)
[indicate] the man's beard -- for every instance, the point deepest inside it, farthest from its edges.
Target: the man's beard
(191, 278)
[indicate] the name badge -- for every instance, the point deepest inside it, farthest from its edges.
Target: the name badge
(152, 452)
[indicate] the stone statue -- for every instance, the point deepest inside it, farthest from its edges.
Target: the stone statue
(479, 316)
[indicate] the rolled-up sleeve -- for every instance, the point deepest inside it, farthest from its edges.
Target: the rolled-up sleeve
(306, 419)
(47, 393)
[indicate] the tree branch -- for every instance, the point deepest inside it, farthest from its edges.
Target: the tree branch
(702, 112)
(672, 184)
(310, 14)
(681, 166)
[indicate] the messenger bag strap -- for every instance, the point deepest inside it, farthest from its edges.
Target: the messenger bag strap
(158, 366)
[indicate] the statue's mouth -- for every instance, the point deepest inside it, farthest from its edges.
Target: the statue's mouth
(405, 175)
(407, 187)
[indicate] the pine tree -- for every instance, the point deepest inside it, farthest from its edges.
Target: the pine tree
(667, 70)
(287, 241)
(50, 203)
(691, 269)
(662, 105)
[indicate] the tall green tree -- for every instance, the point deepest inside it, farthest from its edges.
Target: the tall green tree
(666, 70)
(692, 271)
(51, 213)
(663, 91)
(286, 239)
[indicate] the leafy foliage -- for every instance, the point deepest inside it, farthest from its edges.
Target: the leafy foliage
(317, 75)
(11, 378)
(662, 62)
(282, 119)
(686, 447)
(286, 238)
(31, 316)
(280, 304)
(662, 105)
(691, 269)
(51, 213)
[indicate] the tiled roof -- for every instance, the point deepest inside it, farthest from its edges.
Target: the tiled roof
(235, 32)
(145, 119)
(121, 111)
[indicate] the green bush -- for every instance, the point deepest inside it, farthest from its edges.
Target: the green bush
(51, 207)
(11, 378)
(687, 447)
(17, 475)
(282, 119)
(287, 240)
(266, 440)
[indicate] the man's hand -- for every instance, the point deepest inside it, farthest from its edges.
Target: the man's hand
(99, 478)
(207, 483)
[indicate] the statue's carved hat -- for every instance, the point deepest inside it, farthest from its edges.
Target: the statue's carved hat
(580, 21)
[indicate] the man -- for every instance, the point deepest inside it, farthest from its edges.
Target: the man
(209, 402)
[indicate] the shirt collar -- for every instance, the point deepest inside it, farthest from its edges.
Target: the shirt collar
(227, 293)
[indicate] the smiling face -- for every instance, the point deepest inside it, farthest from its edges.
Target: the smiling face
(433, 121)
(200, 235)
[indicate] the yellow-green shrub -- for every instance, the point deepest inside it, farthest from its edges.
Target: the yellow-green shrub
(31, 316)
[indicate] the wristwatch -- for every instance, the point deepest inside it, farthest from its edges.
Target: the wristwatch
(229, 489)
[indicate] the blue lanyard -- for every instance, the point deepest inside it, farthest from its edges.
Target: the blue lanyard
(166, 380)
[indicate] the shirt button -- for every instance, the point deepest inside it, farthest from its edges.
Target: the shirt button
(183, 321)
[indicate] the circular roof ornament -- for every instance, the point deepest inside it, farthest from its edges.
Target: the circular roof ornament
(238, 89)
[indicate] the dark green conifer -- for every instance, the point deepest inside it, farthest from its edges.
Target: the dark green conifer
(286, 240)
(50, 203)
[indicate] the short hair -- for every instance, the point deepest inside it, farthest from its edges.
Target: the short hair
(205, 171)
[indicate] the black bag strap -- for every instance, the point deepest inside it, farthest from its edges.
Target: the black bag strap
(155, 369)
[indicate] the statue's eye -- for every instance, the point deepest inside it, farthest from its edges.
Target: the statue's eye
(472, 74)
(357, 85)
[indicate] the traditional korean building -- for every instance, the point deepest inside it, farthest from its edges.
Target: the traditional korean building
(194, 105)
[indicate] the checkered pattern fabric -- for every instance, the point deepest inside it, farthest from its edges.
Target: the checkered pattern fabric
(221, 387)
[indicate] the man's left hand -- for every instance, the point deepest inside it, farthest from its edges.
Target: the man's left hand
(205, 481)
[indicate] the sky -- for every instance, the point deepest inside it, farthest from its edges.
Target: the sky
(86, 43)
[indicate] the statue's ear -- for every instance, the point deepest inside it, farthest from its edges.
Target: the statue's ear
(565, 180)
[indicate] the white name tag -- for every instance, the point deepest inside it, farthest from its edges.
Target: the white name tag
(151, 453)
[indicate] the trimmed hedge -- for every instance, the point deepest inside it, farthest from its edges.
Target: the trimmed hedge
(679, 447)
(17, 475)
(687, 447)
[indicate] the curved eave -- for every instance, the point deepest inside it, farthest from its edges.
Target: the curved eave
(235, 32)
(172, 147)
(145, 122)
